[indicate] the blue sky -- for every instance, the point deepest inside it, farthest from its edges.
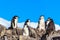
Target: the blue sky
(30, 9)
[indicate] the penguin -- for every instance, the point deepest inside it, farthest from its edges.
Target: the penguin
(47, 23)
(26, 28)
(41, 24)
(50, 26)
(26, 31)
(14, 22)
(27, 22)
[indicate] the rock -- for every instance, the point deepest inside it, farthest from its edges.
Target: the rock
(40, 33)
(19, 31)
(33, 33)
(26, 38)
(2, 30)
(14, 37)
(8, 32)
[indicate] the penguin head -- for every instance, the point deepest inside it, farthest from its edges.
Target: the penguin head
(27, 22)
(49, 20)
(41, 17)
(15, 17)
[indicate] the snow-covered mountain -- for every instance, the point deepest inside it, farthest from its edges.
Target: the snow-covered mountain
(6, 23)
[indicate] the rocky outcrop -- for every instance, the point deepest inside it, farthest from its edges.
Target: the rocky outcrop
(52, 35)
(26, 38)
(2, 30)
(17, 34)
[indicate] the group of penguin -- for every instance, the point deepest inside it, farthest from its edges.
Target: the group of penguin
(47, 25)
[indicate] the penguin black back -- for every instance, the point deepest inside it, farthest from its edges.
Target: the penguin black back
(26, 28)
(13, 22)
(26, 24)
(50, 26)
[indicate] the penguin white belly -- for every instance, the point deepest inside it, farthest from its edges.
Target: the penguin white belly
(42, 28)
(26, 31)
(48, 22)
(42, 25)
(15, 23)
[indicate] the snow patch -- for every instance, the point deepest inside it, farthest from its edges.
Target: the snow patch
(6, 23)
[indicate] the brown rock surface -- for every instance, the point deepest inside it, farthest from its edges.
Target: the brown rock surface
(16, 34)
(2, 30)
